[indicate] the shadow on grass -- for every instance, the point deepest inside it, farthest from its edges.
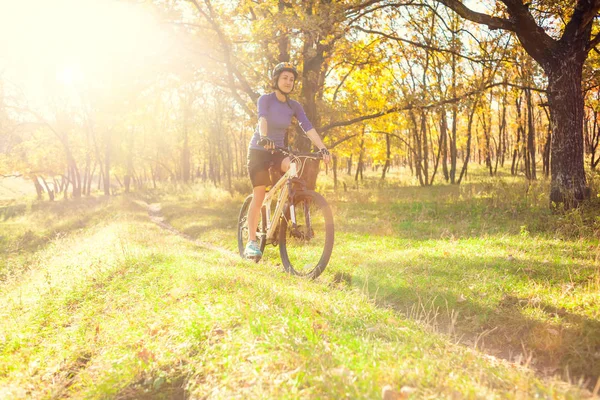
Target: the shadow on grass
(167, 386)
(46, 221)
(50, 220)
(556, 341)
(472, 210)
(201, 219)
(12, 210)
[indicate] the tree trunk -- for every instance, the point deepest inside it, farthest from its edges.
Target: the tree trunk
(502, 132)
(185, 157)
(595, 136)
(514, 169)
(531, 174)
(359, 167)
(107, 169)
(444, 143)
(425, 154)
(453, 149)
(48, 190)
(313, 56)
(130, 150)
(349, 165)
(387, 156)
(39, 190)
(284, 40)
(86, 172)
(418, 148)
(335, 164)
(463, 171)
(568, 183)
(88, 190)
(437, 157)
(67, 180)
(487, 133)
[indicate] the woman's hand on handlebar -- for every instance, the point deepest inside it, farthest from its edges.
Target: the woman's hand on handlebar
(322, 154)
(325, 154)
(266, 142)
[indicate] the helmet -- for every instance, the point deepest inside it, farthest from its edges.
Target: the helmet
(279, 68)
(284, 66)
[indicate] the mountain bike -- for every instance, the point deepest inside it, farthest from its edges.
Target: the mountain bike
(297, 219)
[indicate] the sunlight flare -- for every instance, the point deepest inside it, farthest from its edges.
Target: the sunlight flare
(72, 43)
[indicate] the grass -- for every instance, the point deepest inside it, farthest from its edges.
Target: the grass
(102, 303)
(487, 263)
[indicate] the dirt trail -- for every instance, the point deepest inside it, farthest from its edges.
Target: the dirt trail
(154, 212)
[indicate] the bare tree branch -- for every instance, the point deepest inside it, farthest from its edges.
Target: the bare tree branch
(533, 37)
(583, 16)
(411, 106)
(397, 137)
(480, 18)
(593, 43)
(421, 45)
(338, 142)
(40, 121)
(355, 9)
(232, 70)
(364, 5)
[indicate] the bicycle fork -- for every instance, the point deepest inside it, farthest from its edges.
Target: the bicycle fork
(308, 233)
(291, 206)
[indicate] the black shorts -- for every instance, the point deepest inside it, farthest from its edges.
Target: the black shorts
(259, 162)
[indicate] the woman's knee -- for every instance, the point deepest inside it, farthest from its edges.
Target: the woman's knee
(285, 164)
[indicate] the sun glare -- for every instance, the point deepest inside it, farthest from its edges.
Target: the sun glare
(77, 42)
(70, 75)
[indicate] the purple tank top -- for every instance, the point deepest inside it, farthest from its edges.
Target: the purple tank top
(279, 117)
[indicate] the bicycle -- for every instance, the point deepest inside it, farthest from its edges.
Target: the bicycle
(300, 222)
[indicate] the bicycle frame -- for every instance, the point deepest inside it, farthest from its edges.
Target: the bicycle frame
(289, 222)
(283, 185)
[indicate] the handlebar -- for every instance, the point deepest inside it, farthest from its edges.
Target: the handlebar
(286, 152)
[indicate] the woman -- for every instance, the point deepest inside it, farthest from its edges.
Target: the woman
(275, 112)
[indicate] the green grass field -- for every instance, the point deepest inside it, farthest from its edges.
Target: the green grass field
(477, 291)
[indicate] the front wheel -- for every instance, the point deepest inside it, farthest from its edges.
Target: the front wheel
(306, 248)
(261, 230)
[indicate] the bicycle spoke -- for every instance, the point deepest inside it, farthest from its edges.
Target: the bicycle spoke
(308, 245)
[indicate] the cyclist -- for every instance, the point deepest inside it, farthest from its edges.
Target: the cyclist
(275, 112)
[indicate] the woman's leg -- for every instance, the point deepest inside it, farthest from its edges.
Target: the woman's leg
(254, 211)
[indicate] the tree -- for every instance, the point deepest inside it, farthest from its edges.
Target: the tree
(562, 59)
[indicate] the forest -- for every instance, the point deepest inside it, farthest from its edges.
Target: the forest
(463, 185)
(429, 86)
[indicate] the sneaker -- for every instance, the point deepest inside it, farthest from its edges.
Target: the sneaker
(252, 249)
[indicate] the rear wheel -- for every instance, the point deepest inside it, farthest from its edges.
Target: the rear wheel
(306, 248)
(261, 231)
